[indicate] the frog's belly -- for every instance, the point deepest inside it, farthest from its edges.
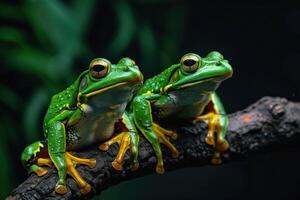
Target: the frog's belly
(94, 128)
(182, 110)
(98, 124)
(186, 103)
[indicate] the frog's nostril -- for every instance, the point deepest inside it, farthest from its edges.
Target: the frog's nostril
(189, 62)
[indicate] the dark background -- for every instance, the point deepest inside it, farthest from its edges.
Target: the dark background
(44, 45)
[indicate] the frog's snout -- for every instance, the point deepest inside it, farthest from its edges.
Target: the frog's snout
(138, 76)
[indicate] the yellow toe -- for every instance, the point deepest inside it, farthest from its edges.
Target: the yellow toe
(116, 165)
(61, 189)
(160, 169)
(104, 147)
(86, 189)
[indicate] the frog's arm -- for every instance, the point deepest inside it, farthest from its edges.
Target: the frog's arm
(142, 115)
(56, 136)
(62, 160)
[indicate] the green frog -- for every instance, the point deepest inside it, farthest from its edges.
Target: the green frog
(80, 115)
(184, 91)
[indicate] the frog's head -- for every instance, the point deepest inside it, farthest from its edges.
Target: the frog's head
(194, 70)
(104, 76)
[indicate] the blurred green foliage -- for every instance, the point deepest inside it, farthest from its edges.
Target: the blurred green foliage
(42, 42)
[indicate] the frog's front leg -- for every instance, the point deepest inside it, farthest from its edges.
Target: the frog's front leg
(64, 161)
(217, 121)
(154, 133)
(128, 138)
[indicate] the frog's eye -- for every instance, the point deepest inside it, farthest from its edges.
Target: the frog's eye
(99, 68)
(190, 62)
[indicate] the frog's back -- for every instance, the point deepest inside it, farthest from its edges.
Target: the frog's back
(157, 82)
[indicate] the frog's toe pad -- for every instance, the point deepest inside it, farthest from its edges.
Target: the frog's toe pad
(116, 165)
(216, 161)
(134, 166)
(104, 147)
(210, 140)
(160, 169)
(86, 189)
(61, 189)
(174, 136)
(41, 172)
(92, 163)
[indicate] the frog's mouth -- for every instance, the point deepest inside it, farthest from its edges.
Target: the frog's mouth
(83, 97)
(197, 82)
(191, 84)
(105, 89)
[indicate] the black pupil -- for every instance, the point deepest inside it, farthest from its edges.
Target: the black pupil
(189, 62)
(98, 68)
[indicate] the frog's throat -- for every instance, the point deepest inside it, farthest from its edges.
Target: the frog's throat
(102, 90)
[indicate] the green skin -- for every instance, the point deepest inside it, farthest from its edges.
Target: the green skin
(177, 94)
(85, 112)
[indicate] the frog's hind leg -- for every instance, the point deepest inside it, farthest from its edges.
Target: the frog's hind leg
(32, 156)
(217, 122)
(71, 162)
(161, 134)
(127, 139)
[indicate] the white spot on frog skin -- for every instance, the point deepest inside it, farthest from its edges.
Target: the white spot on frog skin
(58, 126)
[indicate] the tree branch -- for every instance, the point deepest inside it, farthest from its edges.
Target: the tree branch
(267, 124)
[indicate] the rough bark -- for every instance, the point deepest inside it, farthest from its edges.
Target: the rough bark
(267, 124)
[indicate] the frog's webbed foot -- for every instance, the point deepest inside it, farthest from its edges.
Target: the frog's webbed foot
(71, 162)
(161, 133)
(125, 141)
(217, 125)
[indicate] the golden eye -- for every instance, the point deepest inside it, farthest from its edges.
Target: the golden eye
(99, 67)
(190, 62)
